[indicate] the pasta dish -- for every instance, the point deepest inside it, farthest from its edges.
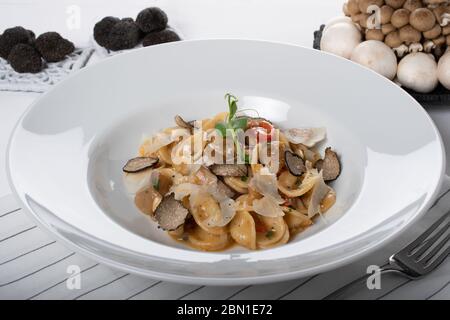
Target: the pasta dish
(233, 179)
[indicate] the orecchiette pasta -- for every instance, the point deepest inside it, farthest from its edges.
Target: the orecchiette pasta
(270, 191)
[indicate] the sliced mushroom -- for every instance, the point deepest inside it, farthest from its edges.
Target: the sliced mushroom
(422, 19)
(224, 189)
(139, 163)
(183, 124)
(147, 200)
(330, 165)
(229, 170)
(294, 163)
(170, 214)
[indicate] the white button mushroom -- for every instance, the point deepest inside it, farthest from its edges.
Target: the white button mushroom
(337, 20)
(377, 56)
(444, 70)
(340, 39)
(418, 71)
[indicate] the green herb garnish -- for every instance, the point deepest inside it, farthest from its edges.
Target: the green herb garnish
(233, 124)
(156, 185)
(244, 179)
(270, 234)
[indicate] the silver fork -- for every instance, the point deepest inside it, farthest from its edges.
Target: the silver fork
(416, 260)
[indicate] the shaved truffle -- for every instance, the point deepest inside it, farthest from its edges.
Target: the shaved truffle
(151, 19)
(102, 30)
(294, 163)
(12, 37)
(25, 59)
(139, 163)
(53, 47)
(330, 165)
(170, 213)
(160, 37)
(229, 170)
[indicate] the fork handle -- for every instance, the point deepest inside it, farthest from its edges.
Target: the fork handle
(360, 282)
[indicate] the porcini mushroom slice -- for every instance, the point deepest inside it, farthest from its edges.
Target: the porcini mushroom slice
(229, 170)
(139, 163)
(170, 213)
(147, 200)
(183, 124)
(224, 189)
(330, 165)
(294, 163)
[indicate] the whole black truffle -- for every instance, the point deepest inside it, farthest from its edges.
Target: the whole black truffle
(160, 37)
(102, 30)
(25, 58)
(124, 34)
(12, 37)
(152, 19)
(53, 47)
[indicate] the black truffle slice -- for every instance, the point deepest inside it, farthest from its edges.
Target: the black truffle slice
(139, 163)
(170, 213)
(330, 165)
(102, 30)
(229, 170)
(25, 58)
(152, 19)
(294, 163)
(53, 47)
(160, 37)
(124, 34)
(13, 36)
(183, 124)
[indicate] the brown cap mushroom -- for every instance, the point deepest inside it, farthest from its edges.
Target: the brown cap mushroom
(400, 18)
(365, 4)
(409, 35)
(447, 39)
(361, 19)
(415, 47)
(428, 46)
(395, 4)
(422, 19)
(374, 34)
(352, 7)
(412, 5)
(387, 28)
(442, 14)
(386, 14)
(434, 32)
(393, 39)
(446, 30)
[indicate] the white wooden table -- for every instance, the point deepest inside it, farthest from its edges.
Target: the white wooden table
(33, 265)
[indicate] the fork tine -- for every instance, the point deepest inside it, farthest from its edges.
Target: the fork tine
(429, 242)
(439, 259)
(436, 249)
(410, 247)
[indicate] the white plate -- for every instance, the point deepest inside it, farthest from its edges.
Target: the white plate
(66, 154)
